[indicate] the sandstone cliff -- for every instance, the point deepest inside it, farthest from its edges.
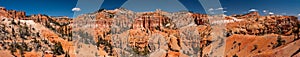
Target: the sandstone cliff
(124, 33)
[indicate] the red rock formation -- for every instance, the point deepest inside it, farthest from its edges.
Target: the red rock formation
(253, 14)
(201, 19)
(262, 36)
(123, 33)
(265, 25)
(249, 45)
(3, 12)
(12, 13)
(17, 14)
(151, 21)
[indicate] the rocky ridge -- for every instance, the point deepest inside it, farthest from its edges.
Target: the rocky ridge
(125, 33)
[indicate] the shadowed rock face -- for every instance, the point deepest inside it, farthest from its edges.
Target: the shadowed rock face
(125, 33)
(201, 19)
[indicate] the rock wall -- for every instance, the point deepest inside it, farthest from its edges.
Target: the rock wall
(124, 33)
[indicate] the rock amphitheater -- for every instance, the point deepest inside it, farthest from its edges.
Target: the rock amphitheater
(125, 33)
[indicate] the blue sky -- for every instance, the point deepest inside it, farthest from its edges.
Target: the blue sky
(49, 7)
(64, 7)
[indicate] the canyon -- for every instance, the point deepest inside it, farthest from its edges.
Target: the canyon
(125, 33)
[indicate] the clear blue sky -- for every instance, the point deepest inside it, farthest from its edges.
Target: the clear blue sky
(49, 7)
(64, 7)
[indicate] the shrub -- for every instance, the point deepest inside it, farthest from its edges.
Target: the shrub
(58, 50)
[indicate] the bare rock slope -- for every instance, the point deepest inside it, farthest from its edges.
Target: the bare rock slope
(124, 33)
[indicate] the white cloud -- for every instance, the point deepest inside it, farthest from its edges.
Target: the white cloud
(210, 9)
(264, 10)
(271, 13)
(76, 9)
(219, 8)
(252, 10)
(298, 14)
(224, 11)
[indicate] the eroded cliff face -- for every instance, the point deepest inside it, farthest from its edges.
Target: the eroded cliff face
(30, 36)
(122, 32)
(263, 36)
(12, 13)
(125, 33)
(161, 33)
(60, 25)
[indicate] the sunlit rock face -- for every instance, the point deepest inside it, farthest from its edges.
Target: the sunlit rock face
(12, 13)
(262, 36)
(151, 21)
(17, 14)
(125, 33)
(184, 33)
(200, 19)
